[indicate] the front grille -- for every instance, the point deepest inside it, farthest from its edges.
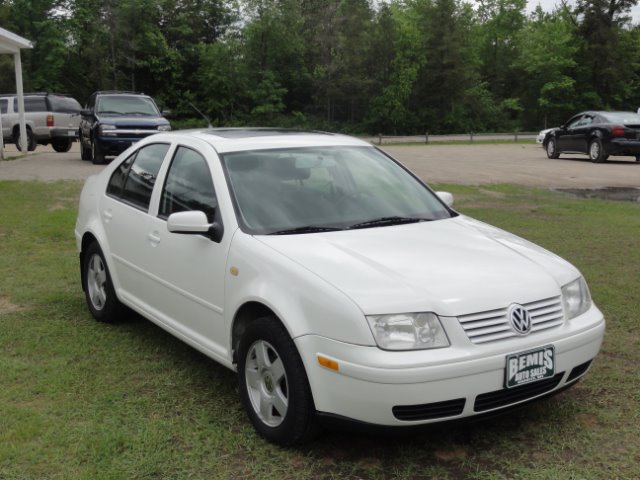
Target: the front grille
(509, 396)
(493, 325)
(578, 371)
(429, 411)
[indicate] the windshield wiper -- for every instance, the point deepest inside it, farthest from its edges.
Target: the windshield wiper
(146, 114)
(305, 229)
(384, 221)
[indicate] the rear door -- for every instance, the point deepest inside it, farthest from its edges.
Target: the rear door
(125, 217)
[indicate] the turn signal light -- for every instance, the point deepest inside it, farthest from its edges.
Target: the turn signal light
(617, 131)
(328, 363)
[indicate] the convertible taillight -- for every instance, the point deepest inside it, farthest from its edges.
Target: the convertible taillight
(50, 122)
(617, 131)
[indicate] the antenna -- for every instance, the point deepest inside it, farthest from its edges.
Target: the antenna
(202, 114)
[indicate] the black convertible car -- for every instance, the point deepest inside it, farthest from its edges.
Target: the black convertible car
(598, 134)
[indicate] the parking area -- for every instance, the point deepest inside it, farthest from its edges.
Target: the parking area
(521, 164)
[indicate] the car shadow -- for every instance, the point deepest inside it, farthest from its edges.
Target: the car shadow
(616, 161)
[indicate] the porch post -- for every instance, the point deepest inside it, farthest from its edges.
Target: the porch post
(23, 128)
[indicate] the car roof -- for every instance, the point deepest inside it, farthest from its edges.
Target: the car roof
(225, 140)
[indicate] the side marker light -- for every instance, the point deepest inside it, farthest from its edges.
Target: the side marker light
(328, 363)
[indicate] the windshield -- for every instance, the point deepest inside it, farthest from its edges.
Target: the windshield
(126, 105)
(302, 190)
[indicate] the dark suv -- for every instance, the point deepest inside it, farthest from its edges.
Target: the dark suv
(113, 120)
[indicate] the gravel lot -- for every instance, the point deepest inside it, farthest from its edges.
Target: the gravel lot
(522, 164)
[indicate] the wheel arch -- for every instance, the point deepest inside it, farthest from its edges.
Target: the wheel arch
(248, 312)
(87, 239)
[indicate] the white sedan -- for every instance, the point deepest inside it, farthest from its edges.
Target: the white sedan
(336, 283)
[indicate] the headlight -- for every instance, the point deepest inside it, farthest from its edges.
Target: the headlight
(576, 298)
(408, 331)
(164, 128)
(107, 129)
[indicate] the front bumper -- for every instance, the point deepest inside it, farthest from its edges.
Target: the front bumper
(116, 144)
(379, 387)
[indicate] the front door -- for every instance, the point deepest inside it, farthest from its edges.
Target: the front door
(189, 269)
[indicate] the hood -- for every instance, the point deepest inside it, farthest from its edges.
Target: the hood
(451, 267)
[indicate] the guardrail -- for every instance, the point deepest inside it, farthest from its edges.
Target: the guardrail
(458, 137)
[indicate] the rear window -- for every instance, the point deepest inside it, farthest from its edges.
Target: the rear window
(626, 118)
(64, 104)
(4, 103)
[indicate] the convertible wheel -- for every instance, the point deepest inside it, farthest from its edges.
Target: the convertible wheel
(273, 384)
(98, 287)
(552, 150)
(596, 152)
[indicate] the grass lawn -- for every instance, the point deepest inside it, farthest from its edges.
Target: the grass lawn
(84, 400)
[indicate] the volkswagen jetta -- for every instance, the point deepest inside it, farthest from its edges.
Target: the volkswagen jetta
(331, 279)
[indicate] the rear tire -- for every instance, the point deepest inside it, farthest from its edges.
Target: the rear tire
(552, 148)
(596, 151)
(273, 383)
(31, 140)
(61, 145)
(98, 287)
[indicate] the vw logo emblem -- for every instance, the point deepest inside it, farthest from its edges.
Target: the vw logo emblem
(520, 319)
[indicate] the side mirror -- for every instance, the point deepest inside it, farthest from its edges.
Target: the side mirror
(194, 223)
(446, 197)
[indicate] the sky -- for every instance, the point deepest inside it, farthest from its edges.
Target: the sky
(549, 5)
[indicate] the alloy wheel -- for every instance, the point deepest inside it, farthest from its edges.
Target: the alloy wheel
(96, 282)
(266, 382)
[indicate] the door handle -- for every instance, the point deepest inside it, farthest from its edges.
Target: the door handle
(154, 238)
(108, 215)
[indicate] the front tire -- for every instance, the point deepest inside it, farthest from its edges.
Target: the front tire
(552, 149)
(61, 145)
(273, 384)
(98, 287)
(596, 151)
(97, 157)
(85, 152)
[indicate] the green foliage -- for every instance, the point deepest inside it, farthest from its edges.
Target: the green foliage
(393, 66)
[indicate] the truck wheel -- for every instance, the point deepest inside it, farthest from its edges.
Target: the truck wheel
(31, 140)
(61, 145)
(97, 157)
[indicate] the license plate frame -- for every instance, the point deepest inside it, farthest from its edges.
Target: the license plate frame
(530, 366)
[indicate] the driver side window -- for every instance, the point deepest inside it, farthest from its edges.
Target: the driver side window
(576, 122)
(188, 186)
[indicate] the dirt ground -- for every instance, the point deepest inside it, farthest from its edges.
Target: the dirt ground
(521, 164)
